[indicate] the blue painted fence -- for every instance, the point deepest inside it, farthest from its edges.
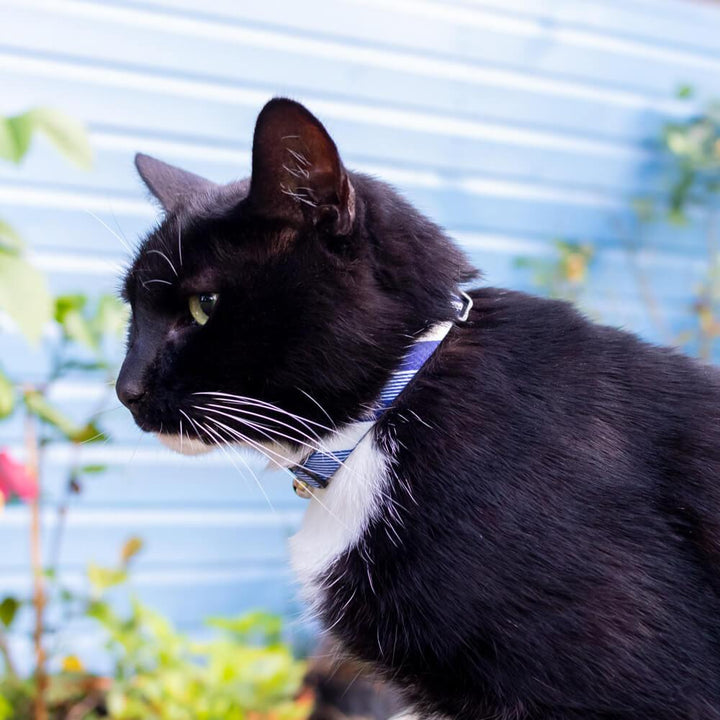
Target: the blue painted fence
(510, 122)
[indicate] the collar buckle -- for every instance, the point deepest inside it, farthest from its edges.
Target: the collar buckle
(465, 308)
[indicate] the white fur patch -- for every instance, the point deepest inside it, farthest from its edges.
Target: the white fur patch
(184, 445)
(338, 516)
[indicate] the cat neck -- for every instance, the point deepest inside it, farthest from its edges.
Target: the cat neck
(316, 469)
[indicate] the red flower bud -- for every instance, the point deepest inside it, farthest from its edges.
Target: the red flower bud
(15, 479)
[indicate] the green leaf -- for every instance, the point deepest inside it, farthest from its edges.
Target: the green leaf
(39, 406)
(101, 612)
(68, 135)
(7, 141)
(88, 433)
(65, 304)
(102, 579)
(684, 91)
(70, 316)
(6, 710)
(24, 295)
(111, 317)
(77, 328)
(22, 128)
(93, 469)
(8, 610)
(10, 240)
(257, 626)
(15, 135)
(7, 395)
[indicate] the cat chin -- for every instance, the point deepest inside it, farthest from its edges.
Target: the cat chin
(184, 446)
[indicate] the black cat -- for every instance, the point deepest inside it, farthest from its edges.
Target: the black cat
(530, 529)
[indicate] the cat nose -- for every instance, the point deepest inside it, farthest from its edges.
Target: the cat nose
(129, 388)
(130, 393)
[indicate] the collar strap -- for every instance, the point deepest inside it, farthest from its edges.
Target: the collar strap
(318, 468)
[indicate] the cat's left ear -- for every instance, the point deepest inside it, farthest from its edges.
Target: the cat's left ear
(297, 174)
(171, 185)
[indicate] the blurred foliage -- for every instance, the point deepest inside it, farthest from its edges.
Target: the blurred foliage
(24, 294)
(161, 674)
(242, 672)
(86, 330)
(65, 133)
(689, 153)
(565, 274)
(77, 334)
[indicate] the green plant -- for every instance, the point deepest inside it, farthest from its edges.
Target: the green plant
(83, 328)
(24, 294)
(242, 672)
(689, 192)
(237, 675)
(691, 153)
(565, 274)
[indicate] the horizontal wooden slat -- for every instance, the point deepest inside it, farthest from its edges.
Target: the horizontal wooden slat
(175, 538)
(480, 34)
(379, 76)
(689, 25)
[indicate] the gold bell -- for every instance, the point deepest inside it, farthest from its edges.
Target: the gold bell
(301, 489)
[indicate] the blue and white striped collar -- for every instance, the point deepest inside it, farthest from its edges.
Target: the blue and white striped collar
(317, 469)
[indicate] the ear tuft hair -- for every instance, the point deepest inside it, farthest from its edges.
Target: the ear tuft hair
(297, 174)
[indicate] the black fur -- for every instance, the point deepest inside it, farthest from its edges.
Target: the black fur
(558, 558)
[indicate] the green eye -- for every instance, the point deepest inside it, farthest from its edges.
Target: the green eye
(202, 306)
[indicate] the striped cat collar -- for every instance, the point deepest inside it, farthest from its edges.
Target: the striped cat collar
(318, 468)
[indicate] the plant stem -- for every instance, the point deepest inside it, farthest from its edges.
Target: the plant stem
(31, 445)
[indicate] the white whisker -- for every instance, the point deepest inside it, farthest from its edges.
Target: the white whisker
(180, 243)
(165, 257)
(249, 400)
(199, 428)
(269, 420)
(259, 446)
(317, 446)
(227, 449)
(121, 240)
(264, 451)
(322, 409)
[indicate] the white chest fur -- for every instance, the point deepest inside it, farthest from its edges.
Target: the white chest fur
(337, 516)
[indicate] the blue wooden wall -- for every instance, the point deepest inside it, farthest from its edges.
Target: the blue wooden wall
(510, 122)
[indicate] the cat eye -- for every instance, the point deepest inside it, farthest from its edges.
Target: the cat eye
(202, 306)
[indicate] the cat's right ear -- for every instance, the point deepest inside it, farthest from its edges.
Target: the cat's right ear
(169, 184)
(297, 174)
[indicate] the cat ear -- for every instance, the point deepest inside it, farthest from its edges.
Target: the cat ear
(297, 174)
(169, 184)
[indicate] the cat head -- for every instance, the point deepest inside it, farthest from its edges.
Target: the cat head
(274, 308)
